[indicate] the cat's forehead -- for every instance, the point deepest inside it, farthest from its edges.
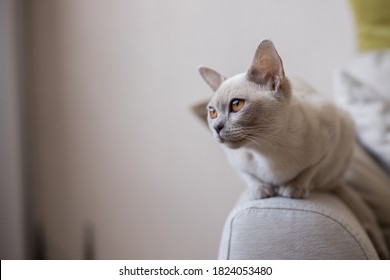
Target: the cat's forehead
(235, 87)
(236, 82)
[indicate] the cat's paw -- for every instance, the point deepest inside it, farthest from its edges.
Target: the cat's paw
(261, 191)
(292, 191)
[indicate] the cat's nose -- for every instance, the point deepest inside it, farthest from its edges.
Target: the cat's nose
(218, 127)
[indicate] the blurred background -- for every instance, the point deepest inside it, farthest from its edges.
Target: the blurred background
(101, 156)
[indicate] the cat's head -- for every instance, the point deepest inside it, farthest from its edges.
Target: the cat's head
(247, 107)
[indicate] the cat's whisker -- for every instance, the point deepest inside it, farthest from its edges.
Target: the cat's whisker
(239, 134)
(266, 127)
(253, 141)
(262, 140)
(268, 140)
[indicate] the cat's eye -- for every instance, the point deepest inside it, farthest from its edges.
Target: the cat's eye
(213, 113)
(236, 105)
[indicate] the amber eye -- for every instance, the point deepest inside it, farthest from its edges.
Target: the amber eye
(213, 113)
(236, 105)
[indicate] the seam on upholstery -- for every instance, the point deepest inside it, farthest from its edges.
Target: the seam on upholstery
(301, 210)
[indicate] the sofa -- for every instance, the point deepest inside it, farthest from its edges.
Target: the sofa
(320, 227)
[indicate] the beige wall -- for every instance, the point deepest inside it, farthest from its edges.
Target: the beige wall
(113, 140)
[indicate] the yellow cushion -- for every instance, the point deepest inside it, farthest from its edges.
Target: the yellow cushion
(373, 23)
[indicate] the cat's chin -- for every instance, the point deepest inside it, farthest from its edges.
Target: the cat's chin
(228, 143)
(232, 145)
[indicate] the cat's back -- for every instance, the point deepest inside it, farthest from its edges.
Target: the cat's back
(311, 101)
(302, 89)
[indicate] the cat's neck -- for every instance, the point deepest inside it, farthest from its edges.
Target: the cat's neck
(296, 124)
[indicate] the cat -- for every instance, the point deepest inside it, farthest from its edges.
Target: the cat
(283, 137)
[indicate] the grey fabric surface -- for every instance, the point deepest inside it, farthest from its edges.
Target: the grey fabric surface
(320, 227)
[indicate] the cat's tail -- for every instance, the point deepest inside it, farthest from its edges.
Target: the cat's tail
(366, 217)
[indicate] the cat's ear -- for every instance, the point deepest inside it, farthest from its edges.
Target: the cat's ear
(267, 67)
(212, 77)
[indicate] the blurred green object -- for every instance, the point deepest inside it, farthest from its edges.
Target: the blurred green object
(373, 23)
